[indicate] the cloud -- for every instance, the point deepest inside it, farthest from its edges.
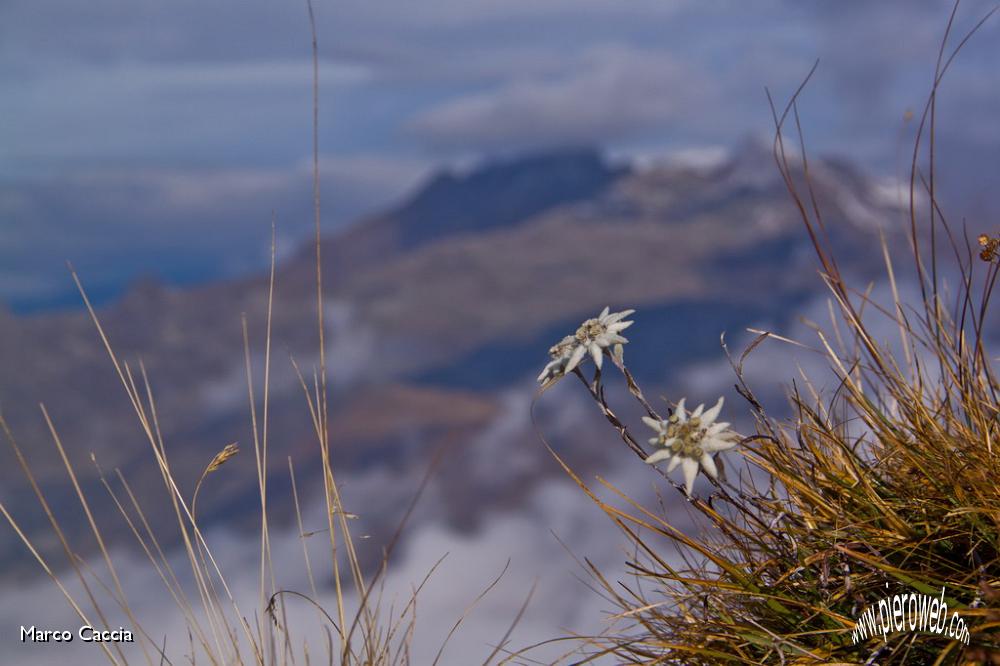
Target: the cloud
(142, 70)
(178, 224)
(191, 31)
(248, 113)
(609, 93)
(560, 602)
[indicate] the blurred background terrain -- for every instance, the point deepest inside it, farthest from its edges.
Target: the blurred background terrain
(493, 173)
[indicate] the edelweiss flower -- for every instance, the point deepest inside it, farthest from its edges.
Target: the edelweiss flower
(690, 439)
(594, 336)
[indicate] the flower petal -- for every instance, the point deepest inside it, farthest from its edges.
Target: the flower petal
(690, 467)
(617, 316)
(708, 465)
(717, 428)
(713, 444)
(697, 412)
(662, 454)
(674, 462)
(551, 369)
(655, 424)
(575, 358)
(596, 353)
(681, 414)
(604, 312)
(708, 418)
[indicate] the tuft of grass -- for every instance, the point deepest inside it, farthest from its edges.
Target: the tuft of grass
(888, 485)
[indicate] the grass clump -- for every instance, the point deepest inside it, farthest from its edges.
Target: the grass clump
(886, 486)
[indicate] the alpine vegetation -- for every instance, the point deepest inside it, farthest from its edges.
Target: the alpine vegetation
(880, 488)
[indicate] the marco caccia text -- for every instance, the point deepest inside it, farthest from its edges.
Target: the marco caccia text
(86, 634)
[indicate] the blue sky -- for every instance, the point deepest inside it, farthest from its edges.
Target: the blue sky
(143, 138)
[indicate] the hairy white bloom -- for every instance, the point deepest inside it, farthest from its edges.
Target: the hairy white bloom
(592, 337)
(690, 440)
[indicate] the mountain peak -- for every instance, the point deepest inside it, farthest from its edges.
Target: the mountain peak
(503, 192)
(751, 163)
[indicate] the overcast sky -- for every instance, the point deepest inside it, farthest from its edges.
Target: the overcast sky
(156, 138)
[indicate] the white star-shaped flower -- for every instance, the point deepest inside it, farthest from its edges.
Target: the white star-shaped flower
(593, 337)
(690, 440)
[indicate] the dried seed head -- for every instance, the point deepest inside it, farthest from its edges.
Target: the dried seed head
(222, 456)
(991, 247)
